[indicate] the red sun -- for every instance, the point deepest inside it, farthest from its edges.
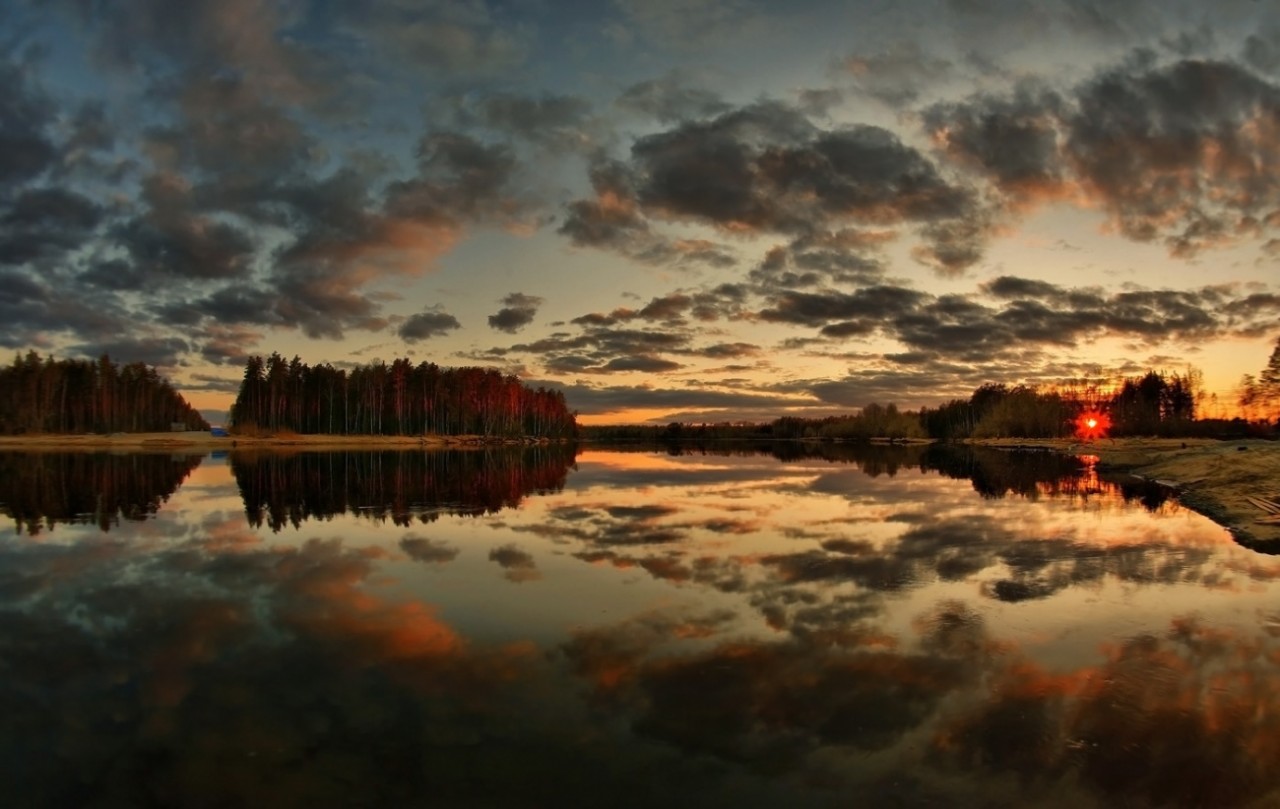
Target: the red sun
(1092, 424)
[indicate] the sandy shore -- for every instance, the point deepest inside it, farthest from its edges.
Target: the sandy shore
(1215, 478)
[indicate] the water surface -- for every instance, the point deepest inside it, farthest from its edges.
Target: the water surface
(803, 627)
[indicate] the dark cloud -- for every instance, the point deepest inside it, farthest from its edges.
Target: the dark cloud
(422, 549)
(614, 221)
(846, 257)
(519, 566)
(517, 312)
(164, 352)
(445, 38)
(209, 37)
(766, 168)
(27, 148)
(45, 223)
(590, 400)
(228, 131)
(1178, 153)
(1032, 316)
(670, 99)
(820, 101)
(173, 242)
(345, 241)
(1262, 53)
(429, 323)
(1174, 153)
(1007, 286)
(32, 313)
(227, 344)
(641, 363)
(603, 347)
(897, 74)
(873, 304)
(554, 121)
(459, 177)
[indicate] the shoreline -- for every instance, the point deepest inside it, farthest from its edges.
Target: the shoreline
(1211, 477)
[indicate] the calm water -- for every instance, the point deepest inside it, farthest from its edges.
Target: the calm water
(869, 627)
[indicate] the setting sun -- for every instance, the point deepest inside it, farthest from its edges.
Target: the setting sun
(1092, 425)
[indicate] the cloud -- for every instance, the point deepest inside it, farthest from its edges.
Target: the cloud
(448, 38)
(897, 74)
(517, 312)
(560, 122)
(172, 241)
(26, 146)
(426, 550)
(1180, 153)
(765, 167)
(641, 363)
(45, 223)
(670, 99)
(592, 400)
(163, 352)
(208, 37)
(518, 565)
(613, 221)
(871, 304)
(692, 24)
(431, 322)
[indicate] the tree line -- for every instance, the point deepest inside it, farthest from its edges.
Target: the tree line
(1154, 404)
(397, 399)
(87, 396)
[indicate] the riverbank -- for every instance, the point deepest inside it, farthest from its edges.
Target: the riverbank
(204, 441)
(1214, 478)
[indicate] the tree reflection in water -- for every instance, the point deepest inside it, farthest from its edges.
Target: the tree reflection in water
(285, 489)
(41, 489)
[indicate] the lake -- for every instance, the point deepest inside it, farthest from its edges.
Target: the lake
(792, 625)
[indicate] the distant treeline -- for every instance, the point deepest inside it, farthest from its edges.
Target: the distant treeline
(86, 396)
(396, 399)
(1155, 404)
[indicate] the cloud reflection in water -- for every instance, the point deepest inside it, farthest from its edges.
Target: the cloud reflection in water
(703, 628)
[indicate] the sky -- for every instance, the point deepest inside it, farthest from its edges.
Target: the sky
(696, 210)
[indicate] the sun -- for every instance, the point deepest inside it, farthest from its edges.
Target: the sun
(1092, 425)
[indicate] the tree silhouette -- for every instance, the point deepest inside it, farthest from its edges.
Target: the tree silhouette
(399, 399)
(79, 396)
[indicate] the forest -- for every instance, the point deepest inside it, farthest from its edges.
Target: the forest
(87, 396)
(398, 399)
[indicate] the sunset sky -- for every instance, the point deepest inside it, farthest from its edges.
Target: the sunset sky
(672, 209)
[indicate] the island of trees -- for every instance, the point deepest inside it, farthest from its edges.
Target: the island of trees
(86, 396)
(279, 395)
